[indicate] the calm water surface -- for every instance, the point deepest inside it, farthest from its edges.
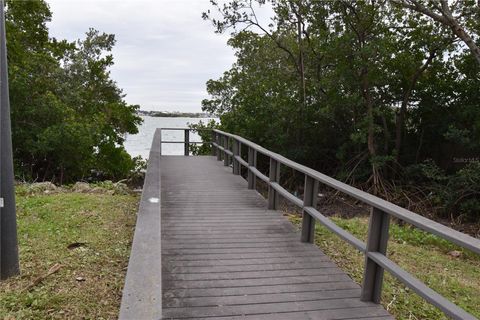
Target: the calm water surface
(139, 144)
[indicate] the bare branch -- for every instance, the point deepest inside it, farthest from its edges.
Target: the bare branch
(446, 18)
(418, 7)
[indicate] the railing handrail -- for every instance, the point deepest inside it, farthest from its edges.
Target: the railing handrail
(375, 249)
(186, 128)
(186, 141)
(142, 292)
(459, 238)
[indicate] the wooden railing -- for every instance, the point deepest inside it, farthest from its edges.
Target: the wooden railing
(228, 147)
(186, 139)
(142, 292)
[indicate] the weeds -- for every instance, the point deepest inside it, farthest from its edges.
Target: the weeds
(89, 236)
(425, 256)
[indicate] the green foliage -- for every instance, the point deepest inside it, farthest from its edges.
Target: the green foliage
(365, 91)
(204, 130)
(422, 254)
(68, 116)
(456, 194)
(137, 175)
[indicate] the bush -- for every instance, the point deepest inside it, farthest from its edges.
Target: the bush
(204, 130)
(457, 194)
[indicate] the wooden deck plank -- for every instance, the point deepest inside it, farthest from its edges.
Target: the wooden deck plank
(248, 268)
(373, 313)
(260, 298)
(225, 256)
(242, 262)
(251, 282)
(235, 256)
(256, 290)
(202, 251)
(250, 274)
(263, 308)
(231, 246)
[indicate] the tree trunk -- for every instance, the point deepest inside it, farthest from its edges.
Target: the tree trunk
(301, 69)
(446, 18)
(400, 119)
(301, 63)
(372, 150)
(460, 32)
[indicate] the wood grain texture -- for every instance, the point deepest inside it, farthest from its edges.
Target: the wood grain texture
(225, 256)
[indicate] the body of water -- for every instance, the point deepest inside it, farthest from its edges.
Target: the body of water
(139, 144)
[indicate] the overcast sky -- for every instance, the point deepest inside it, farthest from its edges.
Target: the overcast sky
(164, 53)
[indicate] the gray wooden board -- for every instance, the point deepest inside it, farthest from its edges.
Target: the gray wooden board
(260, 298)
(142, 293)
(234, 245)
(373, 313)
(225, 256)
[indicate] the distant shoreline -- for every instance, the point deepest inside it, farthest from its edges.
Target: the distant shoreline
(175, 114)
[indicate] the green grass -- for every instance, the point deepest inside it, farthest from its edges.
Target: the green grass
(47, 225)
(421, 254)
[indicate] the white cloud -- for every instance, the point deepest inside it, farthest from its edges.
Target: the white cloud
(165, 52)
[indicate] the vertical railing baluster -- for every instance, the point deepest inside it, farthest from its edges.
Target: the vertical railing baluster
(310, 196)
(274, 176)
(225, 154)
(219, 142)
(214, 140)
(160, 143)
(252, 157)
(236, 152)
(377, 242)
(230, 148)
(187, 142)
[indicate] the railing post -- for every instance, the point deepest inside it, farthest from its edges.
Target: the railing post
(376, 242)
(160, 142)
(310, 196)
(236, 152)
(187, 142)
(274, 176)
(252, 161)
(225, 154)
(219, 142)
(214, 140)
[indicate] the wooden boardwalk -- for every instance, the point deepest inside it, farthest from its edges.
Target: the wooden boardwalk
(225, 256)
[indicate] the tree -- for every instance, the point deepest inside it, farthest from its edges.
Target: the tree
(384, 88)
(69, 117)
(455, 16)
(289, 25)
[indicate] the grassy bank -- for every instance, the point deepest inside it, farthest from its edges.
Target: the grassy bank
(442, 266)
(84, 239)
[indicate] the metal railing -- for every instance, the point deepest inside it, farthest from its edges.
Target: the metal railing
(186, 138)
(228, 147)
